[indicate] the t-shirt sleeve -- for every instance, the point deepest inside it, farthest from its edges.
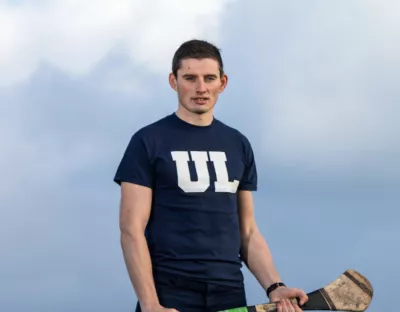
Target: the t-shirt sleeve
(249, 178)
(135, 166)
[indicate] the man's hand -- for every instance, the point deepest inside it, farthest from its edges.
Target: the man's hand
(282, 296)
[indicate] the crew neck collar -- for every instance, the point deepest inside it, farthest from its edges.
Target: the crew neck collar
(189, 125)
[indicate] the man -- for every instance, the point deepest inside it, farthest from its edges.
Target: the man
(186, 215)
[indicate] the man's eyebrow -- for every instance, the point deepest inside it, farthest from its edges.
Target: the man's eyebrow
(192, 75)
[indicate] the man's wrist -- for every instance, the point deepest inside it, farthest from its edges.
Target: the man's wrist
(274, 286)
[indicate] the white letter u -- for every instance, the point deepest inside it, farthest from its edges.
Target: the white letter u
(203, 177)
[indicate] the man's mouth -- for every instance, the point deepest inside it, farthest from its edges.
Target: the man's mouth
(200, 100)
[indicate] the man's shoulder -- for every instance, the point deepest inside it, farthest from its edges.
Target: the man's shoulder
(231, 130)
(153, 129)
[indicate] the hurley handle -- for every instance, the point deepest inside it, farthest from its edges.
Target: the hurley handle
(265, 307)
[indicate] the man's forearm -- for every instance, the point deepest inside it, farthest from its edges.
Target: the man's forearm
(257, 257)
(138, 263)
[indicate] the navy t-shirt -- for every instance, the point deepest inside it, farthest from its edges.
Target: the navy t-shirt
(195, 173)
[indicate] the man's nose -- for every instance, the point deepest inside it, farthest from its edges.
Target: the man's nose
(201, 87)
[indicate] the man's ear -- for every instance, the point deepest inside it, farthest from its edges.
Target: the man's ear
(224, 82)
(172, 81)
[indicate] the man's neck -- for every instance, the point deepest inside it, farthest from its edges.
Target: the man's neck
(196, 119)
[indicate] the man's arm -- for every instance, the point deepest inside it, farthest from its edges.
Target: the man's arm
(255, 251)
(134, 214)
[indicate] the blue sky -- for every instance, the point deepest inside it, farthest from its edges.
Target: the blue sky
(313, 85)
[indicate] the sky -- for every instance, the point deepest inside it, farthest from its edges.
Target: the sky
(312, 84)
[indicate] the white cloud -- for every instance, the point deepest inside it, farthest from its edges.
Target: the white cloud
(74, 35)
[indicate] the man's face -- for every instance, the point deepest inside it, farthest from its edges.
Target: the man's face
(198, 84)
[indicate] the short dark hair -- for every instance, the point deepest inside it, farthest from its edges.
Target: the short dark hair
(198, 49)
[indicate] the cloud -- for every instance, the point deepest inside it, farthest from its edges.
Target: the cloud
(112, 44)
(74, 36)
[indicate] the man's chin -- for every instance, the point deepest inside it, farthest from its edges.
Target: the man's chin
(200, 110)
